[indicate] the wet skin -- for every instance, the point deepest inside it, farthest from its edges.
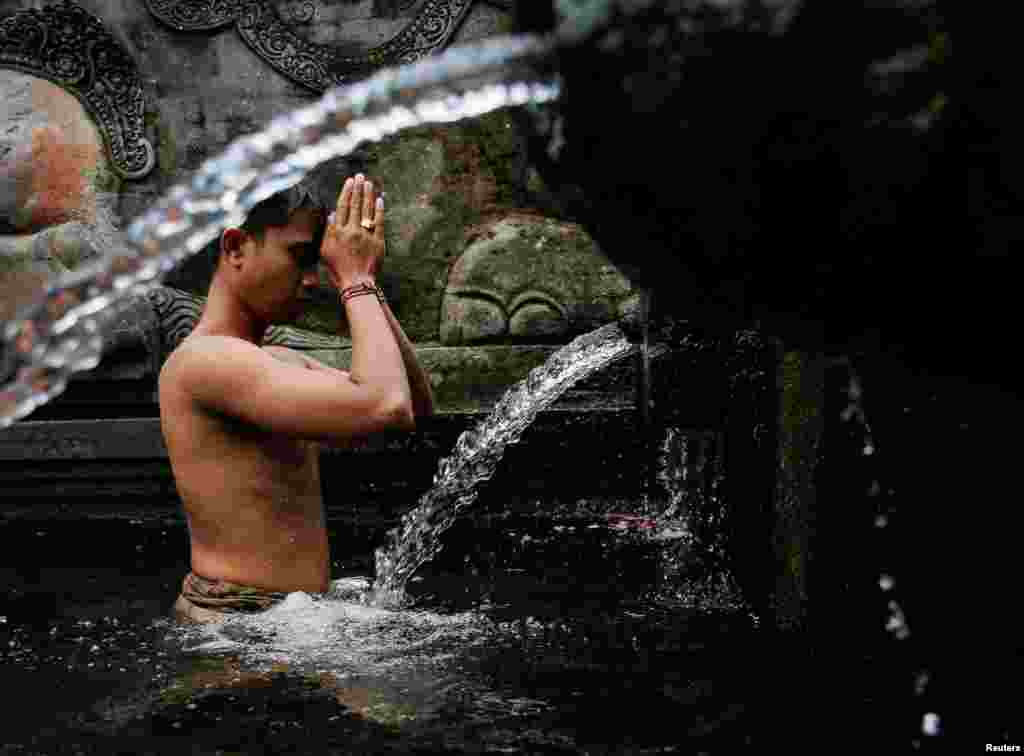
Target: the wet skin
(251, 496)
(243, 423)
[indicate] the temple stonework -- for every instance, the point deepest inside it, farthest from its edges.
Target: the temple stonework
(126, 98)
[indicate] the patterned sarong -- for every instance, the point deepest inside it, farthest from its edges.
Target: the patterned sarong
(223, 597)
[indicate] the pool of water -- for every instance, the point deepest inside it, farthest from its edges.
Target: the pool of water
(528, 634)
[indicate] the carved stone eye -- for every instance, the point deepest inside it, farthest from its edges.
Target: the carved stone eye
(537, 319)
(531, 280)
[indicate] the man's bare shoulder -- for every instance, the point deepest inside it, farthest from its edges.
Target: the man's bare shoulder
(199, 348)
(200, 355)
(233, 377)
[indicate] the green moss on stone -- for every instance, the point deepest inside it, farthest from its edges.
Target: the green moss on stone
(801, 425)
(501, 153)
(322, 318)
(14, 263)
(166, 146)
(406, 165)
(421, 281)
(70, 258)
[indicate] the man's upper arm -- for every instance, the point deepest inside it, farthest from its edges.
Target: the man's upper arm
(241, 380)
(294, 357)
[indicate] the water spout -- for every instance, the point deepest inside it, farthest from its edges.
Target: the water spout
(62, 332)
(478, 451)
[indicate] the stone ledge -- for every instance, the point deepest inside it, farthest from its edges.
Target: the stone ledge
(563, 455)
(128, 438)
(135, 439)
(464, 379)
(473, 379)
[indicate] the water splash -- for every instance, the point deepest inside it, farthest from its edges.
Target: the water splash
(339, 632)
(694, 562)
(477, 452)
(62, 332)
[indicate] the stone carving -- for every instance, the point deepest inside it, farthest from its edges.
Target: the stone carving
(530, 279)
(315, 66)
(58, 188)
(196, 15)
(178, 312)
(72, 48)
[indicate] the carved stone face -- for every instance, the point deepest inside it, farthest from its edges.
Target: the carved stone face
(530, 280)
(55, 186)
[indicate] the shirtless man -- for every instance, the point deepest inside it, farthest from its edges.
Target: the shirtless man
(242, 422)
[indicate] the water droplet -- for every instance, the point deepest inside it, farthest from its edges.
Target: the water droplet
(920, 683)
(896, 624)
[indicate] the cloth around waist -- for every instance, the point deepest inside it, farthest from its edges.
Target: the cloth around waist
(225, 596)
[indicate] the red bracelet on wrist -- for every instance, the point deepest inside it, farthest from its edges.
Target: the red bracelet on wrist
(360, 290)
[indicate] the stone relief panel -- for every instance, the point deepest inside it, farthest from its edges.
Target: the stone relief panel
(71, 111)
(210, 89)
(528, 279)
(57, 186)
(471, 259)
(70, 47)
(58, 191)
(177, 313)
(71, 134)
(298, 39)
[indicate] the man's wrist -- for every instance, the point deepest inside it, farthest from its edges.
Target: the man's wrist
(356, 280)
(361, 289)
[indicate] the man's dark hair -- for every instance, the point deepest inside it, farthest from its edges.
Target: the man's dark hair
(276, 210)
(319, 190)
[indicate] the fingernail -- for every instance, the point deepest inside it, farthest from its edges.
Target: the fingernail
(380, 202)
(369, 186)
(348, 181)
(330, 219)
(359, 177)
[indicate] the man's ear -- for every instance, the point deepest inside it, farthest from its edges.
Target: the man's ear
(232, 244)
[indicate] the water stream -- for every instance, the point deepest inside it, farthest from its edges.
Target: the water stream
(62, 332)
(478, 451)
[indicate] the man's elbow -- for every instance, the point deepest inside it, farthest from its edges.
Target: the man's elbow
(398, 414)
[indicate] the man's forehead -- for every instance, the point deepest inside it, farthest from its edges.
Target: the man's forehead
(303, 224)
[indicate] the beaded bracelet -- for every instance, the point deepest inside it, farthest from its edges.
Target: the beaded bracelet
(362, 289)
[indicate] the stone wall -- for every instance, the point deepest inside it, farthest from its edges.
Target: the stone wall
(476, 253)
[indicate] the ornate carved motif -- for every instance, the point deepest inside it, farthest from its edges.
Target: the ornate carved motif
(178, 312)
(196, 15)
(317, 67)
(70, 47)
